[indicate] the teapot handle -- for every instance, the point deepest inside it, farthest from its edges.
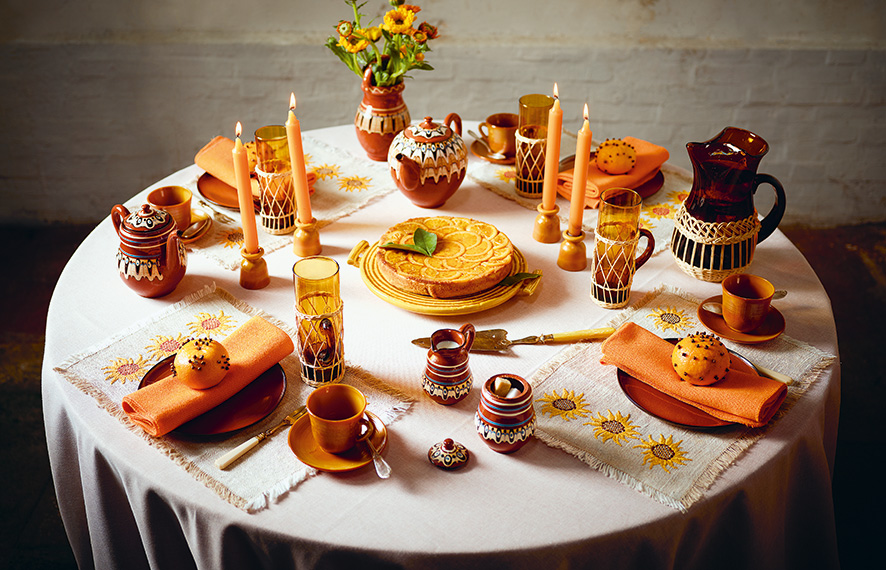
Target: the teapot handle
(773, 218)
(118, 214)
(468, 331)
(453, 117)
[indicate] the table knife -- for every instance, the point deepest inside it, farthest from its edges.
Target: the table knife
(231, 456)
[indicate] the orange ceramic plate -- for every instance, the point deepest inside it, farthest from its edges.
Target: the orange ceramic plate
(303, 445)
(771, 328)
(248, 406)
(670, 409)
(218, 192)
(480, 150)
(645, 190)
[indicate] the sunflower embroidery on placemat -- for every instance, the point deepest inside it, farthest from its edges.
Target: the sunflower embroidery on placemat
(207, 324)
(616, 428)
(354, 183)
(567, 406)
(325, 171)
(506, 174)
(665, 453)
(232, 238)
(162, 346)
(124, 369)
(670, 318)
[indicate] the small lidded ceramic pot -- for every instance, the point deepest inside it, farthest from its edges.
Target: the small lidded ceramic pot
(429, 161)
(505, 418)
(151, 258)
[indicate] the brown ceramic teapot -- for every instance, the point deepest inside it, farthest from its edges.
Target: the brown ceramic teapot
(151, 258)
(429, 161)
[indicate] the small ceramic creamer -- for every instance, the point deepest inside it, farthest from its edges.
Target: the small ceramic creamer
(447, 378)
(429, 161)
(151, 258)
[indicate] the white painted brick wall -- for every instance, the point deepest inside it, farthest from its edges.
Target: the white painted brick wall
(86, 126)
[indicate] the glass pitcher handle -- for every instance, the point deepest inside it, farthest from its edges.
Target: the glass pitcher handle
(773, 218)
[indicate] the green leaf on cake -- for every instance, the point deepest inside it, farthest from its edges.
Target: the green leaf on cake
(516, 278)
(423, 242)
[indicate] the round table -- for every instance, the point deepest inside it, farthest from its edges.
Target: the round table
(126, 505)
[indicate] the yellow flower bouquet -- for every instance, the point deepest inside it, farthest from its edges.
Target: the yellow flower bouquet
(404, 46)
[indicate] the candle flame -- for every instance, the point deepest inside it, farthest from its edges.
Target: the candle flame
(292, 101)
(586, 114)
(238, 129)
(556, 91)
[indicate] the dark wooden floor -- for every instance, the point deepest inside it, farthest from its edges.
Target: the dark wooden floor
(851, 262)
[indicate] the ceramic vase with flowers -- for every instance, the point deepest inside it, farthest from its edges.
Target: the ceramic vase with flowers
(381, 55)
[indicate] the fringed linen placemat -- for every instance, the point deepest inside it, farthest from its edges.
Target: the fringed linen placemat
(657, 214)
(345, 183)
(114, 368)
(581, 409)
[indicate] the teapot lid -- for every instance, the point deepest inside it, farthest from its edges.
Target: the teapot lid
(428, 132)
(147, 223)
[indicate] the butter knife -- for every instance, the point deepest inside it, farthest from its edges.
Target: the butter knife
(497, 339)
(235, 454)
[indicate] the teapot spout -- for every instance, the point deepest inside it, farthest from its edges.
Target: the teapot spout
(409, 172)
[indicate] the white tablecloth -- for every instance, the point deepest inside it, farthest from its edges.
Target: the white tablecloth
(124, 504)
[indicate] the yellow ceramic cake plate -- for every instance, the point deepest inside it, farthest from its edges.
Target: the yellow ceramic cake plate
(363, 256)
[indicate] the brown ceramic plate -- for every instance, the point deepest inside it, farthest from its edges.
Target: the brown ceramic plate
(218, 192)
(670, 409)
(771, 328)
(304, 446)
(248, 406)
(480, 150)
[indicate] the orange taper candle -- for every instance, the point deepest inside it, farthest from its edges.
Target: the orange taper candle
(297, 159)
(580, 177)
(244, 194)
(552, 154)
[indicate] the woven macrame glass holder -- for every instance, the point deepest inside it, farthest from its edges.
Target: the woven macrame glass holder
(623, 262)
(712, 251)
(320, 351)
(277, 201)
(530, 166)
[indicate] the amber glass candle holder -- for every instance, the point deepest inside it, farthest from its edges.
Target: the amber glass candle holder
(318, 313)
(532, 138)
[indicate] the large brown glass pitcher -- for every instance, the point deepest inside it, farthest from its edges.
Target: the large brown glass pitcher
(717, 228)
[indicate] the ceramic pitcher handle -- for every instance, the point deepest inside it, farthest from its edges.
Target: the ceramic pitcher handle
(773, 218)
(468, 331)
(453, 118)
(650, 245)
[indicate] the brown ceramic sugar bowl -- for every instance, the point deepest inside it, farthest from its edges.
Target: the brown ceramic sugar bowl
(505, 418)
(151, 258)
(746, 301)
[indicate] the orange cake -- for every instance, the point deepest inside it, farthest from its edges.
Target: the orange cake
(470, 257)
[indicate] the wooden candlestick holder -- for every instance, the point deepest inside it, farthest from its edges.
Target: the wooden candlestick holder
(253, 270)
(547, 225)
(306, 240)
(573, 254)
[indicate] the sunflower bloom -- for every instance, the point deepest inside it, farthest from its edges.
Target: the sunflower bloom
(399, 21)
(420, 37)
(411, 7)
(353, 43)
(429, 30)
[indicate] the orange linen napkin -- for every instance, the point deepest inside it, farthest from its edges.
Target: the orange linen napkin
(740, 397)
(650, 157)
(165, 405)
(216, 159)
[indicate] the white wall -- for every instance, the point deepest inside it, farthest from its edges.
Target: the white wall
(100, 98)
